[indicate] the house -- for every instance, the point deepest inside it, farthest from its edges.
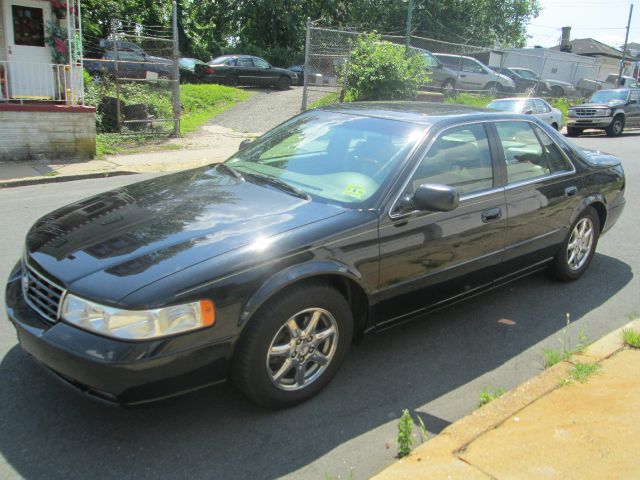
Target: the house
(633, 49)
(41, 87)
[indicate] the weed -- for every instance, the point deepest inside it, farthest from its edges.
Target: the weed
(424, 435)
(631, 337)
(487, 396)
(405, 431)
(580, 372)
(557, 355)
(52, 173)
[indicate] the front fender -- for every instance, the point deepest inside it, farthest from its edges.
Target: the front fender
(294, 274)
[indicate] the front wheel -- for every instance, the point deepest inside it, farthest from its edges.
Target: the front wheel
(578, 249)
(616, 128)
(293, 346)
(284, 83)
(449, 88)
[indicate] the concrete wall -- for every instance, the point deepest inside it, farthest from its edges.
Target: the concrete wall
(46, 133)
(552, 64)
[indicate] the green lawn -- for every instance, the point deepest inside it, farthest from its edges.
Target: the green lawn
(200, 103)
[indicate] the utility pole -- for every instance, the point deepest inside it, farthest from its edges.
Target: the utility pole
(624, 50)
(409, 21)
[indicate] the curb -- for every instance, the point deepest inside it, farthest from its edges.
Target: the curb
(63, 178)
(441, 454)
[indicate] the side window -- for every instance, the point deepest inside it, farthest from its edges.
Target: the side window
(557, 161)
(471, 66)
(244, 62)
(529, 106)
(541, 107)
(635, 94)
(258, 62)
(460, 158)
(522, 150)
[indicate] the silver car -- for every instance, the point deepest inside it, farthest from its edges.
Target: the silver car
(474, 75)
(531, 106)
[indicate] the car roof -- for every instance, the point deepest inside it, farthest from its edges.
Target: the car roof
(454, 55)
(424, 113)
(518, 98)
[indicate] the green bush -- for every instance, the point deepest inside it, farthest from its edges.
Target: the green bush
(381, 70)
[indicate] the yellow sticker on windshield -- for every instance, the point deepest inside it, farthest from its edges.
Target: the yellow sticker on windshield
(354, 191)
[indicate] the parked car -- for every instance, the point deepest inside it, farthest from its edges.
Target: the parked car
(442, 78)
(587, 87)
(299, 71)
(608, 110)
(523, 84)
(471, 74)
(264, 268)
(537, 107)
(237, 70)
(557, 88)
(130, 65)
(187, 67)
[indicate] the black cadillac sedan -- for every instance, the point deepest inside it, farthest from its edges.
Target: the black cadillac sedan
(265, 268)
(237, 70)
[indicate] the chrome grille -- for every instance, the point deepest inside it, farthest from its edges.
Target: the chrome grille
(586, 112)
(41, 294)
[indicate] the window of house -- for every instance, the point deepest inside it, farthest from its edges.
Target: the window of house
(460, 158)
(28, 26)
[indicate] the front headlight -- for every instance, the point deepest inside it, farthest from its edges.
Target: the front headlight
(137, 324)
(607, 112)
(571, 113)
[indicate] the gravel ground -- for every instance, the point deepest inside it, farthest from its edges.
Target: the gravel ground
(266, 109)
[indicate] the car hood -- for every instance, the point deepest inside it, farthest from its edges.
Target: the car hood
(151, 58)
(127, 238)
(558, 82)
(612, 103)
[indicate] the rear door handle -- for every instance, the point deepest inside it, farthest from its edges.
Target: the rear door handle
(570, 191)
(492, 215)
(463, 76)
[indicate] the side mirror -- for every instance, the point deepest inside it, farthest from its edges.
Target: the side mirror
(528, 112)
(244, 144)
(432, 197)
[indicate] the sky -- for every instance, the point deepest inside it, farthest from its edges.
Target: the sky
(602, 20)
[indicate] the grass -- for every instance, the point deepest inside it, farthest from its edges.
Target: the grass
(552, 356)
(200, 103)
(631, 337)
(487, 396)
(580, 372)
(328, 99)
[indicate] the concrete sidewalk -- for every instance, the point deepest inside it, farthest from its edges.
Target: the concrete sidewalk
(212, 144)
(549, 427)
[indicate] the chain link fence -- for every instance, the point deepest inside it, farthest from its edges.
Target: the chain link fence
(134, 79)
(457, 67)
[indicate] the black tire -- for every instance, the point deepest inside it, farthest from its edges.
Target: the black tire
(616, 127)
(284, 83)
(254, 370)
(233, 80)
(449, 88)
(574, 132)
(562, 269)
(557, 91)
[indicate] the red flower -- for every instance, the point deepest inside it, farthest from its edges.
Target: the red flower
(60, 46)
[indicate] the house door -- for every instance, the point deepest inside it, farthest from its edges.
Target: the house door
(30, 74)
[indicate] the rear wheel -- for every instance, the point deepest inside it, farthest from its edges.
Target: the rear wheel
(574, 132)
(293, 346)
(557, 91)
(284, 83)
(449, 88)
(616, 128)
(578, 249)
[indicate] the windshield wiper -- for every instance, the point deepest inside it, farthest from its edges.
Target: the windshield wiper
(279, 184)
(231, 171)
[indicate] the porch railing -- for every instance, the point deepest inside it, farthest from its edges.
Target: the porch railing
(40, 82)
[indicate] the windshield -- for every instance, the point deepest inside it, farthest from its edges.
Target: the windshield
(337, 157)
(515, 106)
(527, 74)
(606, 96)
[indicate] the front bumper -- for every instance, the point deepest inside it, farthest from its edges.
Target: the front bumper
(591, 122)
(114, 371)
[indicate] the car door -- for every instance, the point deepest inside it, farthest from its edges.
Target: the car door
(542, 192)
(428, 257)
(246, 71)
(633, 109)
(264, 73)
(473, 76)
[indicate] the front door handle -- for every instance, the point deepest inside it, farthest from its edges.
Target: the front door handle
(492, 215)
(570, 191)
(463, 76)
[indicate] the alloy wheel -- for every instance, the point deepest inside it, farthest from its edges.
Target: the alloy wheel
(302, 349)
(580, 244)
